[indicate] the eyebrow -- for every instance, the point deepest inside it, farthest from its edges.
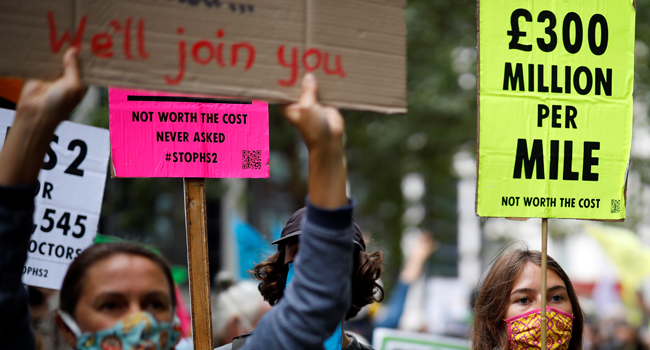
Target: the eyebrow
(554, 288)
(531, 290)
(523, 290)
(109, 295)
(158, 294)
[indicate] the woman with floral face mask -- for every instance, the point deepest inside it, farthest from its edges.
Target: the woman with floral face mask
(507, 312)
(114, 296)
(118, 296)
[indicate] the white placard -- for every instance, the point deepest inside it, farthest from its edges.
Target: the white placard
(391, 339)
(69, 199)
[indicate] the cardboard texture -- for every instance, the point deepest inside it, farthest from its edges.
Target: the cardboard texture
(555, 106)
(250, 48)
(155, 134)
(68, 202)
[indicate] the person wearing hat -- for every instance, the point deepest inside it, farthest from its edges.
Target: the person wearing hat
(276, 273)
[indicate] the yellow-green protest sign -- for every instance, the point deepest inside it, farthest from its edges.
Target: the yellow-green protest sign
(555, 112)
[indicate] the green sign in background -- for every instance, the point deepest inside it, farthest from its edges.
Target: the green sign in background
(536, 136)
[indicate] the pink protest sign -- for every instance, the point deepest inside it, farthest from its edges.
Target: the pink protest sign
(157, 134)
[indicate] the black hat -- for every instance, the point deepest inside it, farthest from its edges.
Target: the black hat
(292, 228)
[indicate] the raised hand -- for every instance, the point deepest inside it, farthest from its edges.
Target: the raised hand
(318, 125)
(417, 256)
(54, 100)
(42, 106)
(321, 128)
(424, 247)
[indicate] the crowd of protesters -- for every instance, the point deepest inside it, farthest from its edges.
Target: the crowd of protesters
(122, 296)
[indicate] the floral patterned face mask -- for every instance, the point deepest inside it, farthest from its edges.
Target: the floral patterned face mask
(139, 331)
(524, 331)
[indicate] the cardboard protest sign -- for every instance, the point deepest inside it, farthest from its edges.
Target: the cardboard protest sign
(391, 339)
(247, 48)
(156, 134)
(68, 201)
(556, 82)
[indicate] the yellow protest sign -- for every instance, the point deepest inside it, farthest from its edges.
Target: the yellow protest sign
(555, 112)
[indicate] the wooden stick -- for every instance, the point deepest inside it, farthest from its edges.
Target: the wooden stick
(197, 257)
(544, 264)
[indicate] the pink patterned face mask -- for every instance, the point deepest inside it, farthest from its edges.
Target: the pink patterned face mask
(524, 331)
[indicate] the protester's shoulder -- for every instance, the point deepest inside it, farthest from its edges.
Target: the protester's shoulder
(225, 347)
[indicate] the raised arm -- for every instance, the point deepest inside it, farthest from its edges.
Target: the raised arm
(42, 106)
(318, 297)
(420, 251)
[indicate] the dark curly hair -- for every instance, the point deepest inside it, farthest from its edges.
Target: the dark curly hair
(366, 270)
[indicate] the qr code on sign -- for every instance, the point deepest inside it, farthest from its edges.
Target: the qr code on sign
(251, 159)
(616, 206)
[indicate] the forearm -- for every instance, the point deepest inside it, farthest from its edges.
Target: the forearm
(42, 106)
(394, 307)
(417, 257)
(24, 148)
(327, 176)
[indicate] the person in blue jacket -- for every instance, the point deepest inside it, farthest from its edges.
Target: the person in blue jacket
(312, 309)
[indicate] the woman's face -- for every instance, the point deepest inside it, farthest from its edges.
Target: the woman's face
(119, 286)
(526, 294)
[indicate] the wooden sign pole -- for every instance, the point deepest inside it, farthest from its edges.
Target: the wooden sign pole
(544, 264)
(197, 257)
